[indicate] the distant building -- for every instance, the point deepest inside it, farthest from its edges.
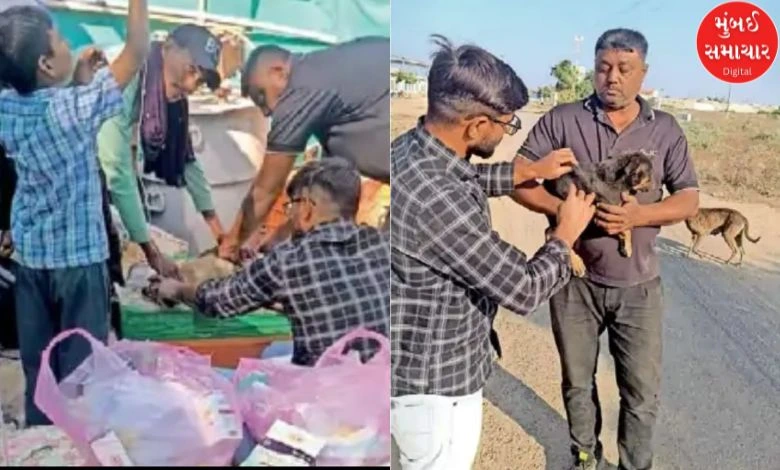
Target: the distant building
(410, 68)
(652, 96)
(650, 93)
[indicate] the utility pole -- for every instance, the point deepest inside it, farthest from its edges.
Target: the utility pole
(202, 11)
(728, 99)
(577, 47)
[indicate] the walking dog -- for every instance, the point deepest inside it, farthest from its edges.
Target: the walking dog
(608, 179)
(729, 223)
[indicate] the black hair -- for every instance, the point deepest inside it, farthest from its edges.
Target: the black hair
(269, 51)
(24, 38)
(623, 39)
(468, 81)
(337, 176)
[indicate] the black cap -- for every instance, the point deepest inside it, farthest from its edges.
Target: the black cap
(204, 47)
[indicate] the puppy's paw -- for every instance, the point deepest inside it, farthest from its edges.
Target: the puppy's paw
(577, 265)
(625, 248)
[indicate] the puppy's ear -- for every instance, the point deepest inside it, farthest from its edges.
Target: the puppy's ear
(624, 167)
(633, 166)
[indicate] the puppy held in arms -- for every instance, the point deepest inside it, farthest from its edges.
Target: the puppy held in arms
(628, 173)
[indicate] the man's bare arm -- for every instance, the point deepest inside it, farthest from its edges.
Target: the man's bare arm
(675, 208)
(266, 188)
(134, 53)
(534, 197)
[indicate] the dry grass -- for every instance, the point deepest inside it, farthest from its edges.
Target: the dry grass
(737, 156)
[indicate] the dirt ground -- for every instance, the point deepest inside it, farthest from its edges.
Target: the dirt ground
(721, 351)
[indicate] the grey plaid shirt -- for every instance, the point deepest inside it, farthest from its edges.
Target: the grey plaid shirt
(330, 281)
(451, 270)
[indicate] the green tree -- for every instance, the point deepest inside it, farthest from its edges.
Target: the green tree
(546, 92)
(584, 87)
(566, 74)
(401, 76)
(570, 84)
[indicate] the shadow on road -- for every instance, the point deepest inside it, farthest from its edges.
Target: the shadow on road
(519, 402)
(721, 368)
(676, 249)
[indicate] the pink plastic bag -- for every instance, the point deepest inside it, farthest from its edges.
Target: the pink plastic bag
(165, 404)
(340, 400)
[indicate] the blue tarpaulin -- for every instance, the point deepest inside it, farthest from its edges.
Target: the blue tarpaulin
(304, 24)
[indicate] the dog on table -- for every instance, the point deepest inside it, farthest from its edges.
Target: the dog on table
(627, 173)
(729, 223)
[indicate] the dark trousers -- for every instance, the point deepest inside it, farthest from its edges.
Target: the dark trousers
(114, 263)
(632, 316)
(9, 337)
(49, 301)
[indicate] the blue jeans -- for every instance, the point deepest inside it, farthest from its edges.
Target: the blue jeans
(48, 302)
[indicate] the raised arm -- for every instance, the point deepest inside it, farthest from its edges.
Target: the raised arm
(540, 143)
(136, 47)
(503, 179)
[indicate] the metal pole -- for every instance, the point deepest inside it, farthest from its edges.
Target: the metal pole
(202, 11)
(728, 100)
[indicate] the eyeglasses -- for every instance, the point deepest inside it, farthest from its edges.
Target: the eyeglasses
(511, 127)
(288, 205)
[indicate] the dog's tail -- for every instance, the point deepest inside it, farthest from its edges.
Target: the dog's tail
(747, 235)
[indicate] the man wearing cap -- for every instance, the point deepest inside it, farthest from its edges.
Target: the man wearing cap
(156, 113)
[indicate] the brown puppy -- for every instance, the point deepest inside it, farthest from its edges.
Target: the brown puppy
(727, 222)
(608, 179)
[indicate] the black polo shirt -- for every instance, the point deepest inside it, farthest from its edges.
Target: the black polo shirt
(583, 127)
(341, 95)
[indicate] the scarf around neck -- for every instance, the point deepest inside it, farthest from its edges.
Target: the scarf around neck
(167, 146)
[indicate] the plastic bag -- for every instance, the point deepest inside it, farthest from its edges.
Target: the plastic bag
(340, 400)
(165, 405)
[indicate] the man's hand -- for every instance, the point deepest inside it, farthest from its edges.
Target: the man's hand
(617, 219)
(6, 244)
(228, 249)
(157, 261)
(556, 164)
(90, 61)
(165, 290)
(574, 215)
(253, 244)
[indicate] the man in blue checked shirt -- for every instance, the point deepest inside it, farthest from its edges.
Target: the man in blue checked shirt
(57, 225)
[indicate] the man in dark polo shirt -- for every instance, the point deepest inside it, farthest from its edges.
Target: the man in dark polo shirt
(340, 95)
(621, 295)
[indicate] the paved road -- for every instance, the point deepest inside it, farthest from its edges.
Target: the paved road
(721, 381)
